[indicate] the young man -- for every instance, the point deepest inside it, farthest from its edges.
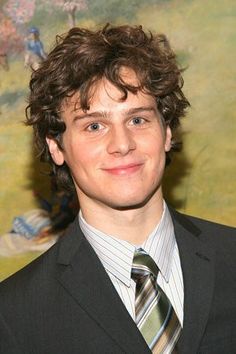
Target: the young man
(130, 275)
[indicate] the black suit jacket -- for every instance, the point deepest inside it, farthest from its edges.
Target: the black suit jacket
(65, 303)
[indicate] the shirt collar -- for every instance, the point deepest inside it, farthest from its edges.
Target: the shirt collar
(117, 255)
(161, 243)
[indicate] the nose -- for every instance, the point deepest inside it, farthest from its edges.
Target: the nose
(121, 141)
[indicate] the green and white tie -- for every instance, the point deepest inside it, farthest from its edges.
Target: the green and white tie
(154, 314)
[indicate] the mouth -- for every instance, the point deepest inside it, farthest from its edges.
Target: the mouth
(124, 170)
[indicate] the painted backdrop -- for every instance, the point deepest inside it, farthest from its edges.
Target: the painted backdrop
(201, 179)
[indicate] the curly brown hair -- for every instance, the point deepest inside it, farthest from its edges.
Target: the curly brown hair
(82, 57)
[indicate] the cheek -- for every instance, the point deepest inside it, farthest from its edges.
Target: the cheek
(154, 146)
(82, 155)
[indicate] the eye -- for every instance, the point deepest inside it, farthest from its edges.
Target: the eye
(137, 121)
(94, 127)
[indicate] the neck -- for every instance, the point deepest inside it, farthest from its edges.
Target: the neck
(132, 225)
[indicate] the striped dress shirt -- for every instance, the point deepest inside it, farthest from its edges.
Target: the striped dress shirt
(117, 258)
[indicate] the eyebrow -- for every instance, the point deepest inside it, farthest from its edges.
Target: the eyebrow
(105, 114)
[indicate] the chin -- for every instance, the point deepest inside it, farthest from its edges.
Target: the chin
(131, 202)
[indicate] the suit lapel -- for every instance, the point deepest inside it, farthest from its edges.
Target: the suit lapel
(197, 262)
(84, 277)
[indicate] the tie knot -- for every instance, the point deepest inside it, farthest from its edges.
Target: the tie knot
(143, 265)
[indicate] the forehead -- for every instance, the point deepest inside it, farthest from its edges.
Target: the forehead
(105, 94)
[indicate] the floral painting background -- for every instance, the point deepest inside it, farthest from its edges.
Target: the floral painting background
(201, 179)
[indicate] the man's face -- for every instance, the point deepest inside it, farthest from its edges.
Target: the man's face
(116, 150)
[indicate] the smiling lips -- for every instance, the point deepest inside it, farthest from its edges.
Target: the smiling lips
(124, 170)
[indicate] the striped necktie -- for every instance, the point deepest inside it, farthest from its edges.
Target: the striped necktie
(154, 314)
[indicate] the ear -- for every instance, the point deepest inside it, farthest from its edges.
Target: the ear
(168, 139)
(56, 153)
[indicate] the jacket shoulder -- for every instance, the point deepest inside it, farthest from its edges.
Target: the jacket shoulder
(202, 225)
(220, 238)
